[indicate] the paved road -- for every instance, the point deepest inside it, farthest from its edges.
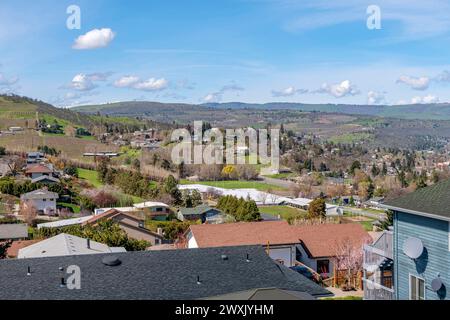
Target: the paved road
(278, 182)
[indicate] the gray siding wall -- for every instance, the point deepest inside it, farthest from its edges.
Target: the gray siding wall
(435, 259)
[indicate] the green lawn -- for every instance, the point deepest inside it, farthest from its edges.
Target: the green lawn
(367, 225)
(286, 213)
(90, 176)
(75, 208)
(236, 184)
(281, 175)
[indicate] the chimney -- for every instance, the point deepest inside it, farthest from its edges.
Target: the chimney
(88, 243)
(160, 231)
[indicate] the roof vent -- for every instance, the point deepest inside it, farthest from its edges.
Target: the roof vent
(198, 280)
(29, 271)
(224, 257)
(63, 283)
(111, 261)
(247, 259)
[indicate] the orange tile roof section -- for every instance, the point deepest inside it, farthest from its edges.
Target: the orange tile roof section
(319, 240)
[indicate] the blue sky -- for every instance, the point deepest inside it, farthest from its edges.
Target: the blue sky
(196, 51)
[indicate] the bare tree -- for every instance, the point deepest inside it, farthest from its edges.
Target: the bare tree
(349, 258)
(28, 212)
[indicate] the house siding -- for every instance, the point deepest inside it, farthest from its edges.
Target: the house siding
(435, 260)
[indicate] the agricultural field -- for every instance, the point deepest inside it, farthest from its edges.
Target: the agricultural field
(237, 184)
(70, 147)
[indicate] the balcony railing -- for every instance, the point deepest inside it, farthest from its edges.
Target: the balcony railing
(378, 268)
(375, 291)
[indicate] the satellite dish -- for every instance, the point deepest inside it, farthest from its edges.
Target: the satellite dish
(436, 284)
(413, 247)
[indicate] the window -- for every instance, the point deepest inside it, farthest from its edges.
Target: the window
(323, 266)
(416, 288)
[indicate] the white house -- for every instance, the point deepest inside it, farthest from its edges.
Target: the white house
(42, 200)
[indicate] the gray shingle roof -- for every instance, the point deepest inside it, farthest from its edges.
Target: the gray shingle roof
(433, 200)
(156, 275)
(13, 231)
(199, 210)
(39, 194)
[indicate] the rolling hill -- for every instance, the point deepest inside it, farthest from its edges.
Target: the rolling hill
(165, 111)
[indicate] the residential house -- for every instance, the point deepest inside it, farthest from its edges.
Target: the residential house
(421, 243)
(375, 202)
(35, 171)
(65, 245)
(143, 275)
(34, 157)
(132, 225)
(204, 213)
(13, 231)
(45, 180)
(314, 245)
(42, 200)
(155, 210)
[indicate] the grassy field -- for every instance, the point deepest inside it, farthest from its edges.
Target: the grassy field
(74, 207)
(286, 213)
(351, 138)
(90, 176)
(236, 184)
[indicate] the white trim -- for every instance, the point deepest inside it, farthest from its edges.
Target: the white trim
(410, 275)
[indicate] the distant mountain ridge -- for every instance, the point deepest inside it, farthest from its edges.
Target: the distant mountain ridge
(438, 111)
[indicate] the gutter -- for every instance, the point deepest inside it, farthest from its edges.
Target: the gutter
(419, 213)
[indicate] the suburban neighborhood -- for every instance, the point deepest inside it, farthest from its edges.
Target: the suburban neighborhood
(224, 159)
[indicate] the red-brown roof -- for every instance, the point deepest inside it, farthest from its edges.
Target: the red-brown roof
(38, 168)
(13, 250)
(322, 240)
(318, 240)
(243, 233)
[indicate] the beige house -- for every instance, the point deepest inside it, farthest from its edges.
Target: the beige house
(132, 225)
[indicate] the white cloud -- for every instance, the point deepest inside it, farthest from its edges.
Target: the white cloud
(212, 97)
(134, 82)
(82, 82)
(339, 90)
(126, 81)
(97, 38)
(425, 100)
(152, 84)
(416, 83)
(374, 98)
(288, 92)
(218, 95)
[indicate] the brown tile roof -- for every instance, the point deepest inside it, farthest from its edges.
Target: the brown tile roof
(318, 240)
(243, 233)
(39, 168)
(322, 240)
(13, 250)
